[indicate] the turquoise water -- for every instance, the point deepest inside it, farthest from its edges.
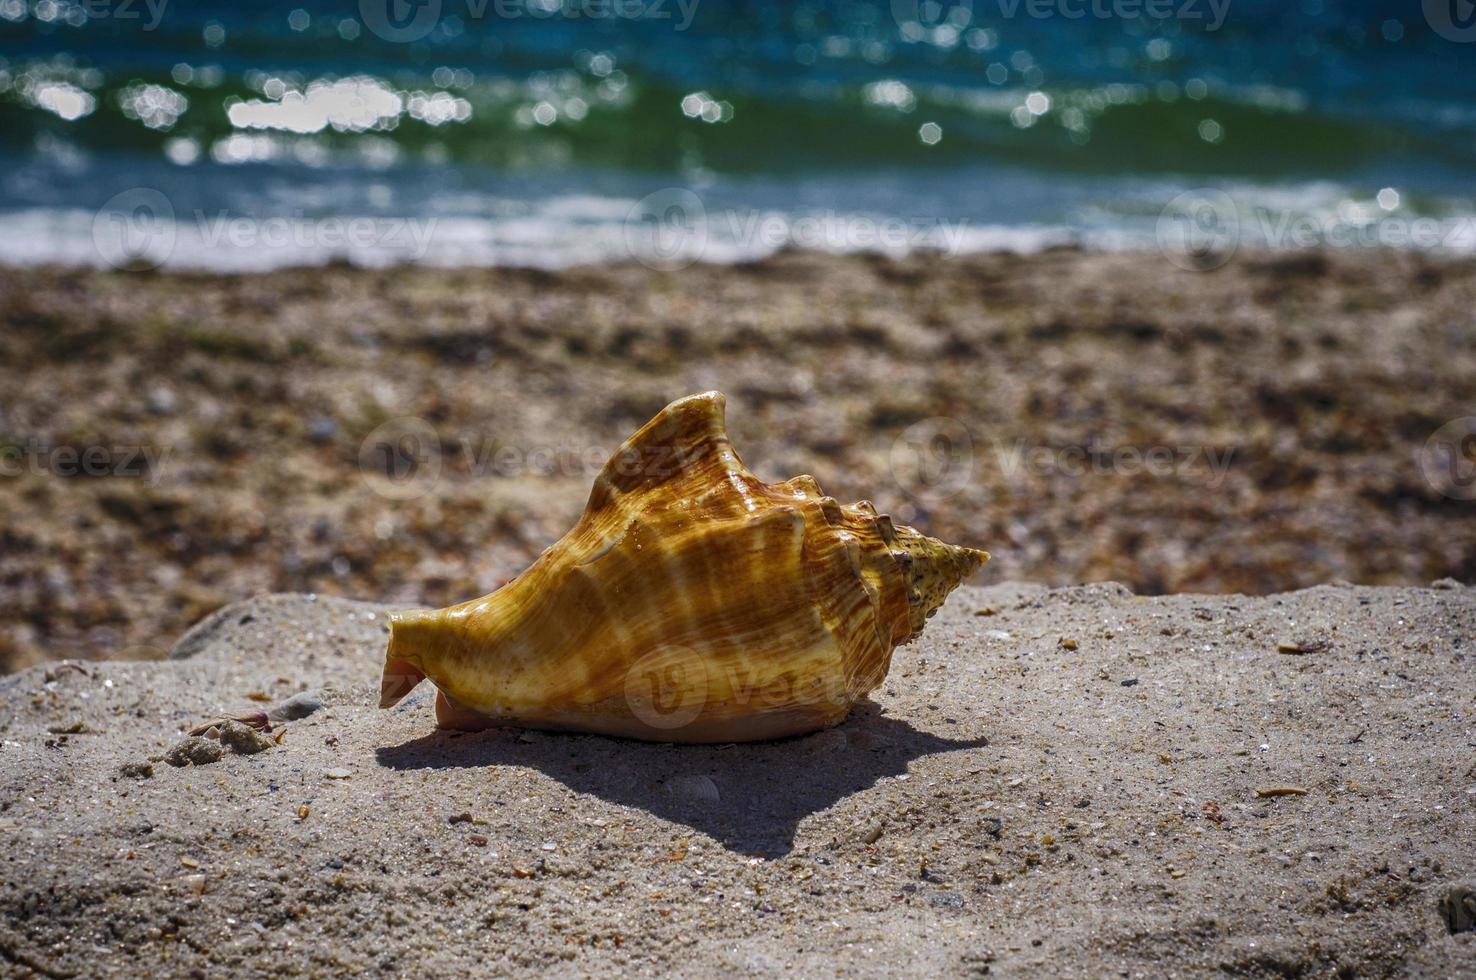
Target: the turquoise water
(548, 133)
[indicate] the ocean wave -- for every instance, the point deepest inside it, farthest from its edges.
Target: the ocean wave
(674, 227)
(551, 139)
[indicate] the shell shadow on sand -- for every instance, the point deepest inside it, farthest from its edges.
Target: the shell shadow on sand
(749, 797)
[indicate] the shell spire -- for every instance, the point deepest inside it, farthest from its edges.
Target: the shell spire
(934, 569)
(691, 602)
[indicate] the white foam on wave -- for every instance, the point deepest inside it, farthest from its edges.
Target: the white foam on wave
(560, 234)
(667, 230)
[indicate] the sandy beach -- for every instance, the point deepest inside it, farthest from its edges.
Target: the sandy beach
(314, 316)
(1083, 416)
(1079, 781)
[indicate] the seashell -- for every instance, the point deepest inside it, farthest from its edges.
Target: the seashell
(252, 719)
(692, 602)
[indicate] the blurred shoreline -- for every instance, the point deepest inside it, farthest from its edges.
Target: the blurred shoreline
(160, 217)
(212, 135)
(172, 441)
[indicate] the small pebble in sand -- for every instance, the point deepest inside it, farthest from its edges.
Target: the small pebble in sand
(945, 900)
(338, 772)
(162, 400)
(194, 751)
(696, 788)
(137, 770)
(297, 707)
(1067, 643)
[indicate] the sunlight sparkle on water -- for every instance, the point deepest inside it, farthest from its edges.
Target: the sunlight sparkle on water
(64, 99)
(349, 105)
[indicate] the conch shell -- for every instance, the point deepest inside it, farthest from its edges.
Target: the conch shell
(693, 602)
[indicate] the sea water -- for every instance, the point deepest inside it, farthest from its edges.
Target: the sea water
(557, 132)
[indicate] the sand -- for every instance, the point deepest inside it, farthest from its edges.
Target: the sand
(1082, 416)
(1070, 781)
